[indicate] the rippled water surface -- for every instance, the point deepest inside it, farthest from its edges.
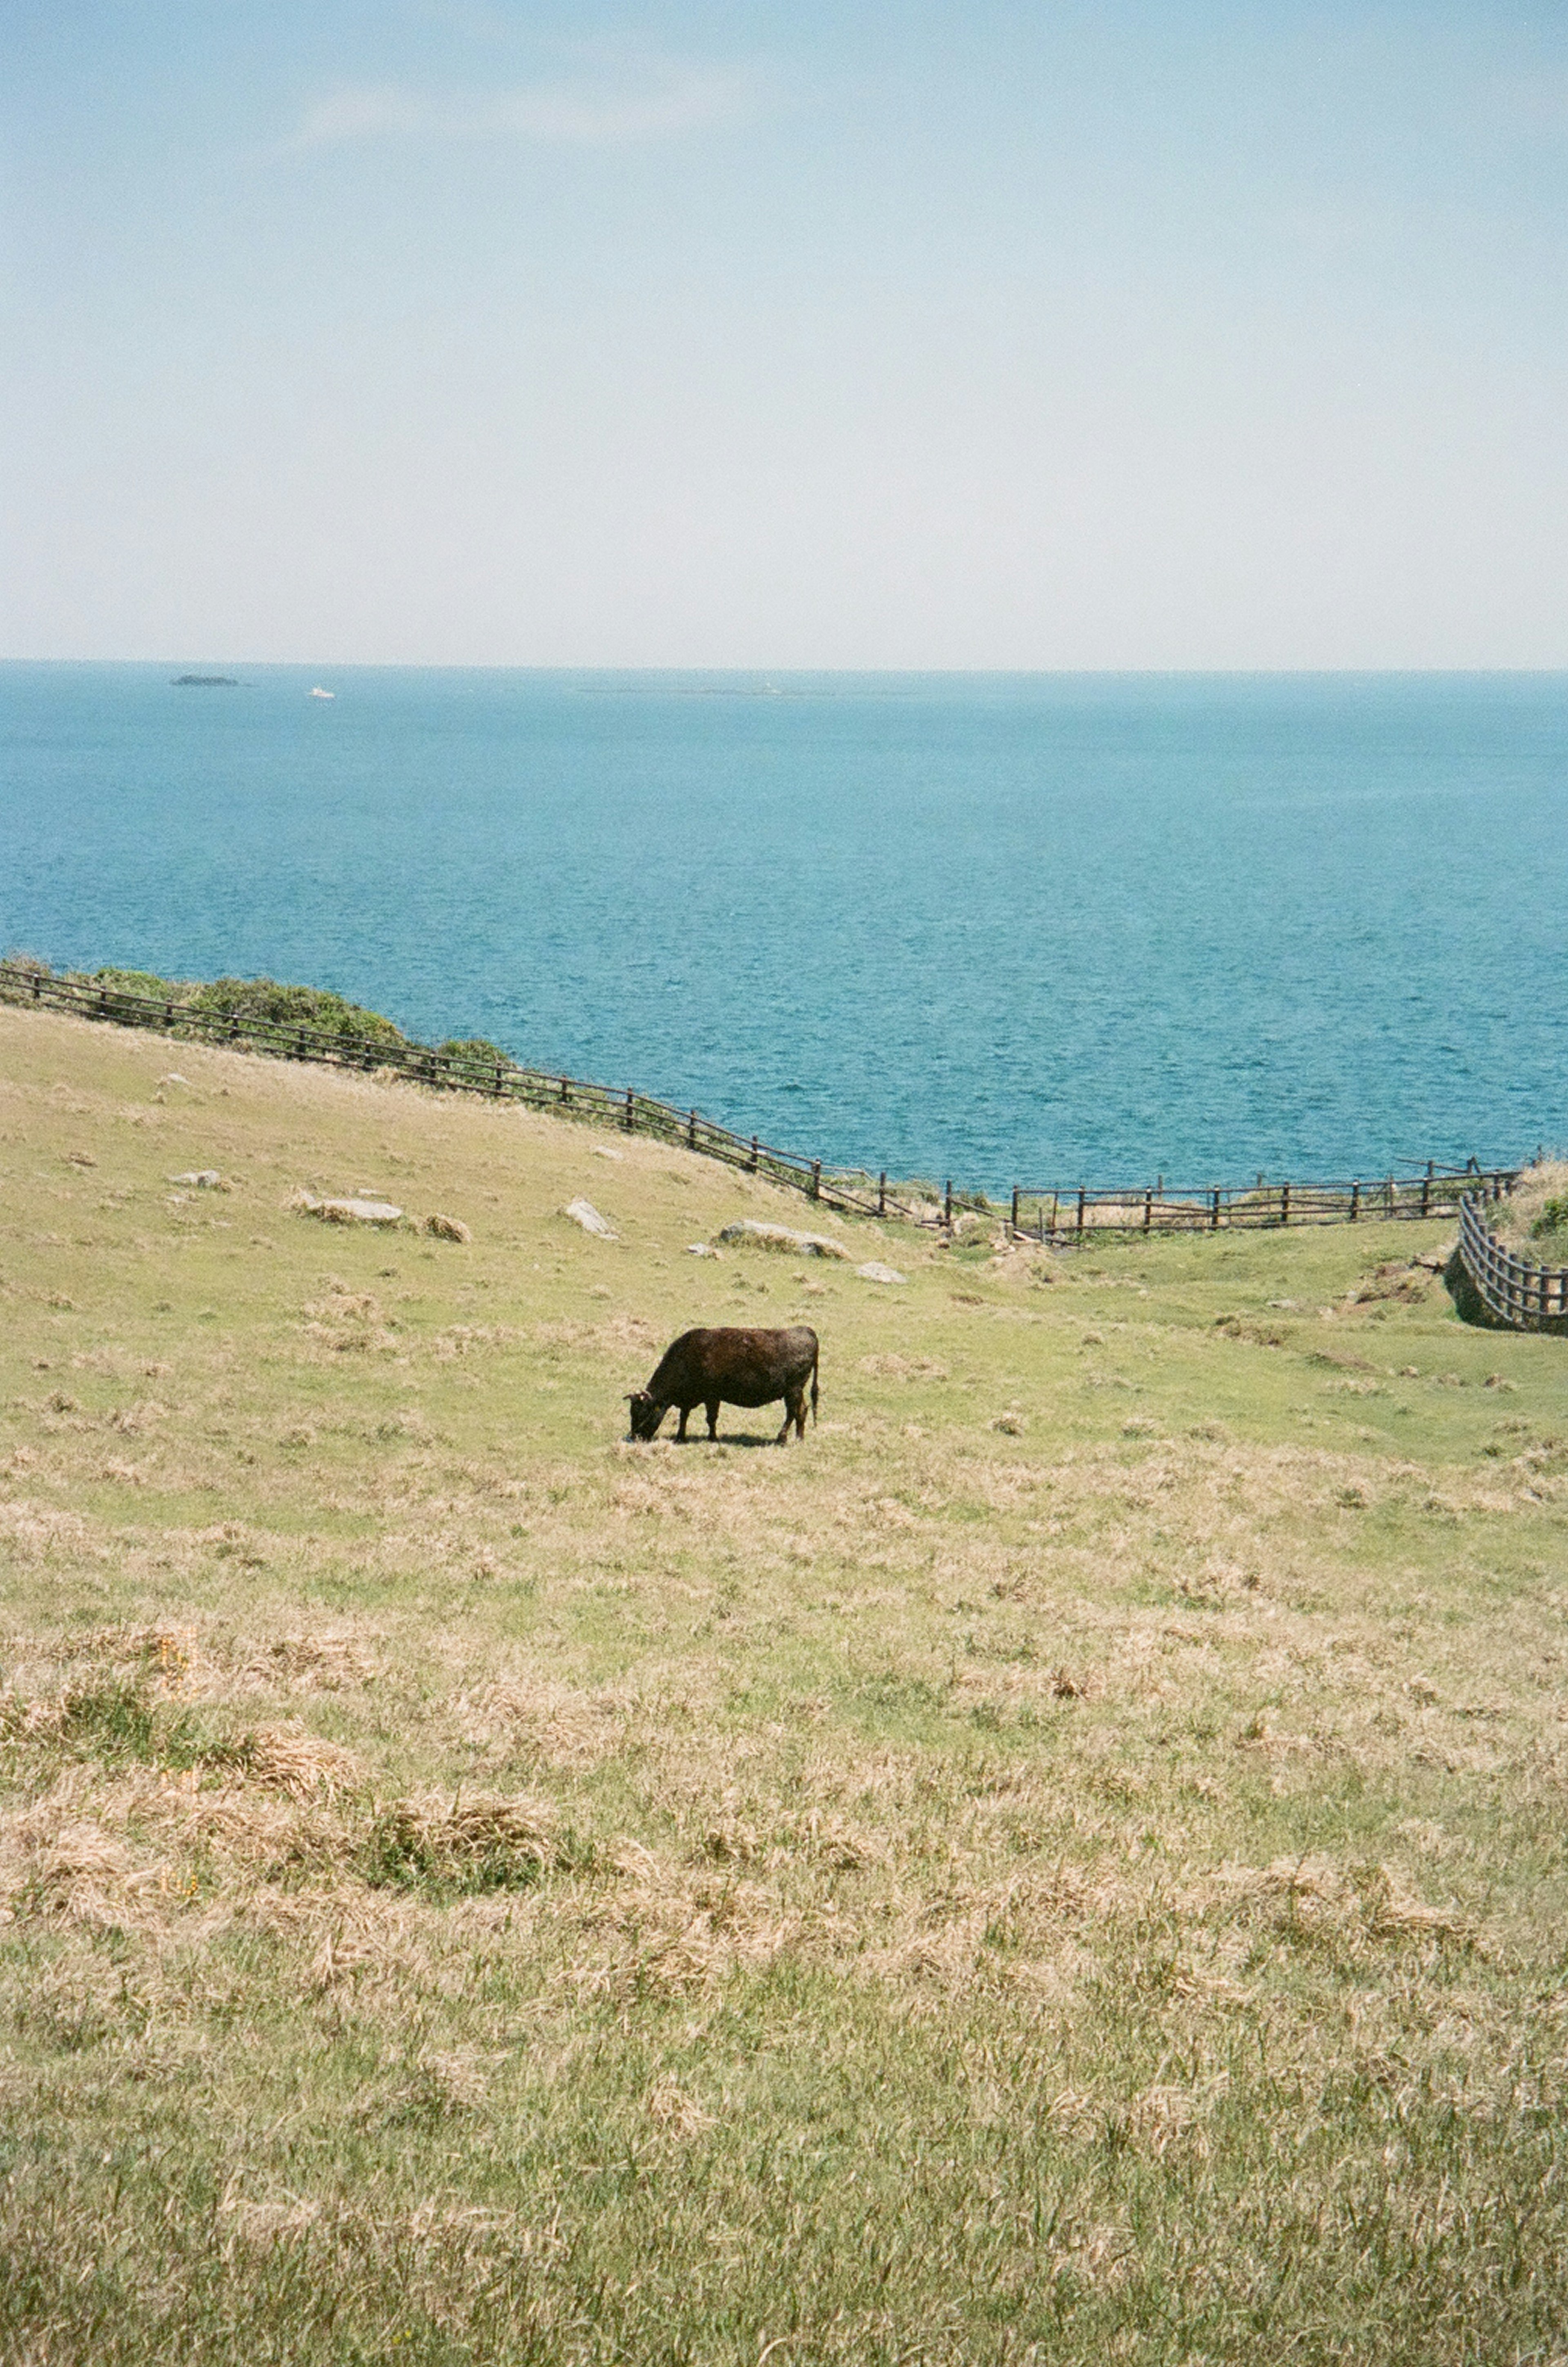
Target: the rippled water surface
(1003, 928)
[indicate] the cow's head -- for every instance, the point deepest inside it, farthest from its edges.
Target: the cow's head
(647, 1413)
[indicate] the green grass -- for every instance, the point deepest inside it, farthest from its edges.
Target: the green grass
(1069, 1865)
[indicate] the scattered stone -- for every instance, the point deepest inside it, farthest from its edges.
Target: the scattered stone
(346, 1212)
(751, 1234)
(175, 1078)
(700, 1249)
(583, 1213)
(872, 1271)
(447, 1228)
(603, 1150)
(201, 1179)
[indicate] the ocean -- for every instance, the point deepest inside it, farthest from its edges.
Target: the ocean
(1008, 928)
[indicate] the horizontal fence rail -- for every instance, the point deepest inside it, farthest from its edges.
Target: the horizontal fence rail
(1056, 1216)
(1526, 1297)
(628, 1110)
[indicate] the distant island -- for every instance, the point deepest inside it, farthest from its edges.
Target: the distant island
(205, 682)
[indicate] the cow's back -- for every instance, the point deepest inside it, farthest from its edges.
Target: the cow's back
(736, 1366)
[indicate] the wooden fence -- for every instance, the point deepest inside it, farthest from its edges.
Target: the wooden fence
(1048, 1215)
(1526, 1297)
(626, 1109)
(1056, 1216)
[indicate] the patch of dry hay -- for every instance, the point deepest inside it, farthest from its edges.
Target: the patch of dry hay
(305, 1766)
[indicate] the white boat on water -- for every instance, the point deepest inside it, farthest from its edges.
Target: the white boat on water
(320, 693)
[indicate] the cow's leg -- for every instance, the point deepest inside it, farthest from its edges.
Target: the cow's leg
(713, 1417)
(793, 1405)
(800, 1411)
(681, 1433)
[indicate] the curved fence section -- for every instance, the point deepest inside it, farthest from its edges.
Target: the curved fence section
(1525, 1297)
(1052, 1215)
(626, 1110)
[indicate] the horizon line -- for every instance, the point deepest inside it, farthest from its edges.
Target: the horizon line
(733, 670)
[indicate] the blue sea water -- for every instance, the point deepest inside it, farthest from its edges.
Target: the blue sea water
(1035, 928)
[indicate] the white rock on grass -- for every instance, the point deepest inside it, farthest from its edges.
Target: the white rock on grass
(603, 1150)
(583, 1213)
(702, 1249)
(201, 1179)
(753, 1235)
(874, 1273)
(348, 1211)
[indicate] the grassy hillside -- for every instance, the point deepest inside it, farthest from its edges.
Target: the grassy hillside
(1068, 1865)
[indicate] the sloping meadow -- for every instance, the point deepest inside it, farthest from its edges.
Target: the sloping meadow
(1067, 1865)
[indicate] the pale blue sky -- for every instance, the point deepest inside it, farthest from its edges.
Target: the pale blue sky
(1152, 332)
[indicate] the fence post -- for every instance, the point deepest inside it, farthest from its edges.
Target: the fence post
(1214, 1210)
(1015, 1212)
(753, 1154)
(1355, 1202)
(1284, 1203)
(817, 1179)
(881, 1187)
(691, 1131)
(947, 1205)
(566, 1090)
(1080, 1206)
(1148, 1210)
(1427, 1189)
(631, 1112)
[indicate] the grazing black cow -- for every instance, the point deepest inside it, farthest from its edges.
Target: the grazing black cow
(730, 1367)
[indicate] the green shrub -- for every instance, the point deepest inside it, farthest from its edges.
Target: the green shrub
(143, 981)
(298, 1006)
(476, 1052)
(1553, 1218)
(349, 1023)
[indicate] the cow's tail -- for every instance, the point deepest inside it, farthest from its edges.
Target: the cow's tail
(815, 1354)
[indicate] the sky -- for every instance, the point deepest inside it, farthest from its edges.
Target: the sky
(1083, 333)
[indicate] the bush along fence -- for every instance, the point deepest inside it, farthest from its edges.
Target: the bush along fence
(358, 1040)
(1058, 1217)
(1526, 1297)
(299, 1024)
